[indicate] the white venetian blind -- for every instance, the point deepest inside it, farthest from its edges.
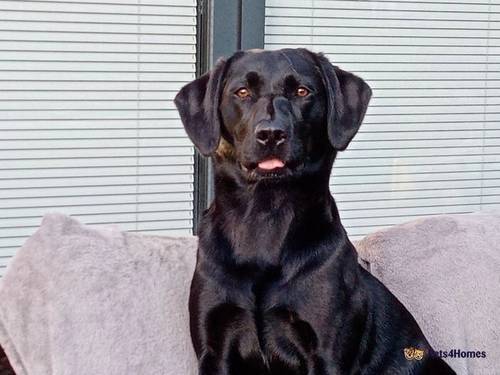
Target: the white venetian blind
(430, 143)
(87, 122)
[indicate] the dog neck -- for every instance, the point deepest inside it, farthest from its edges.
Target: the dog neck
(310, 191)
(284, 210)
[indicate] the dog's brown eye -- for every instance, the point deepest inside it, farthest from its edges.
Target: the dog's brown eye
(302, 91)
(243, 93)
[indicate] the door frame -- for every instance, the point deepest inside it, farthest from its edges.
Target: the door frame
(223, 27)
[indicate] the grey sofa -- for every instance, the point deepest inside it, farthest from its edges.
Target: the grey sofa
(95, 300)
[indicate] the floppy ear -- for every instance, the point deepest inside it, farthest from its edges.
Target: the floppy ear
(347, 99)
(198, 106)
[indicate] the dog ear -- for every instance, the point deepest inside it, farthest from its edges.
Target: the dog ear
(347, 100)
(198, 106)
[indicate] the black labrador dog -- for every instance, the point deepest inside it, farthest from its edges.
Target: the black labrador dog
(277, 287)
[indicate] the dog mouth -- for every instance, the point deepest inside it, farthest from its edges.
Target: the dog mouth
(270, 168)
(271, 164)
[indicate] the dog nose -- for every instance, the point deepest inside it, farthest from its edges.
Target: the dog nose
(269, 134)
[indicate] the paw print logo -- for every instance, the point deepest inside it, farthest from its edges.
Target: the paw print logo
(412, 353)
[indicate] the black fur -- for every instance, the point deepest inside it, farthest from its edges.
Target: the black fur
(277, 288)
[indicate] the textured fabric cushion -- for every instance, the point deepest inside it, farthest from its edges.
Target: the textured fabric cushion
(446, 271)
(82, 300)
(87, 300)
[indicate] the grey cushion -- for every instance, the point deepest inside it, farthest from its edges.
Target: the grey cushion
(446, 271)
(82, 300)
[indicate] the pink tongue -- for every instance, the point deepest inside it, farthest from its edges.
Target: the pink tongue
(271, 164)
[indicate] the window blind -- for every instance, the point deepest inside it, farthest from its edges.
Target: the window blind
(87, 122)
(430, 143)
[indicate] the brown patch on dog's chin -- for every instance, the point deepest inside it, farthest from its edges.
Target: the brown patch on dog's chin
(225, 151)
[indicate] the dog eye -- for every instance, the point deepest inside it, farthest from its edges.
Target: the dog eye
(243, 93)
(302, 91)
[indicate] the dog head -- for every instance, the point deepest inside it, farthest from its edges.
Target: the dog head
(273, 113)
